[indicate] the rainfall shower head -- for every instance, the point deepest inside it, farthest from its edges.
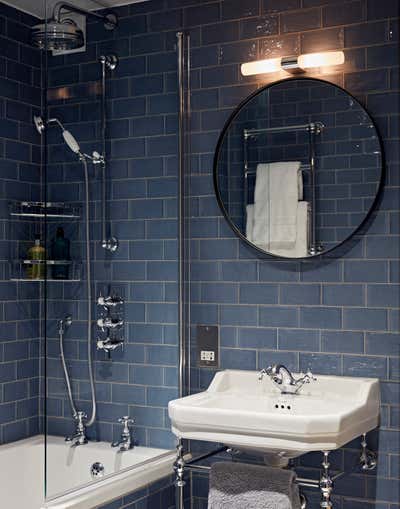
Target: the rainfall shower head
(68, 137)
(55, 35)
(61, 33)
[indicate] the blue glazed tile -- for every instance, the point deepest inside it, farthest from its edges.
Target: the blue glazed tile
(281, 316)
(321, 363)
(383, 296)
(129, 394)
(342, 341)
(239, 271)
(146, 250)
(162, 271)
(364, 271)
(206, 314)
(321, 271)
(238, 315)
(238, 359)
(321, 317)
(160, 396)
(219, 292)
(343, 295)
(222, 249)
(258, 293)
(238, 9)
(145, 333)
(14, 391)
(382, 344)
(252, 337)
(197, 15)
(365, 319)
(298, 339)
(279, 271)
(383, 247)
(165, 355)
(162, 313)
(364, 366)
(300, 294)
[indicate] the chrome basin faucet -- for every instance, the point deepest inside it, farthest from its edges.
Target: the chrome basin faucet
(282, 378)
(126, 441)
(79, 438)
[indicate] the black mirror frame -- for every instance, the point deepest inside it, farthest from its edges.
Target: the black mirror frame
(221, 138)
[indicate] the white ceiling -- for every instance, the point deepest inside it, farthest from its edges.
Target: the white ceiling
(38, 7)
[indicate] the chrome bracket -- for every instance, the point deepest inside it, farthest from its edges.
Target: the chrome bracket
(368, 459)
(110, 244)
(326, 483)
(179, 466)
(179, 469)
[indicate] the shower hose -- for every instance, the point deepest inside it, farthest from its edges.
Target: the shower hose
(61, 331)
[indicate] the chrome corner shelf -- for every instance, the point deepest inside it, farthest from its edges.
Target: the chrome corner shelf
(19, 271)
(48, 210)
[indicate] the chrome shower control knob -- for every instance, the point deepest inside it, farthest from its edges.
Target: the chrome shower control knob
(110, 323)
(109, 302)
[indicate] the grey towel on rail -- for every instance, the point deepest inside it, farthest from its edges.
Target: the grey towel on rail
(243, 486)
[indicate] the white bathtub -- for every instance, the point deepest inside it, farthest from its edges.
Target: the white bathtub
(69, 481)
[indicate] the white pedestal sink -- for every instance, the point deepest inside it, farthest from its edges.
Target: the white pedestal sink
(241, 411)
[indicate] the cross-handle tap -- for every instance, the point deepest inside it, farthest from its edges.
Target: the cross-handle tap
(126, 441)
(79, 437)
(282, 378)
(110, 323)
(110, 301)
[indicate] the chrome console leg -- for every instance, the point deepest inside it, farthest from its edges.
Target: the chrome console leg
(179, 468)
(326, 484)
(367, 457)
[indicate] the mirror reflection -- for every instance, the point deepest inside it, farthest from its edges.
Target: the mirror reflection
(298, 168)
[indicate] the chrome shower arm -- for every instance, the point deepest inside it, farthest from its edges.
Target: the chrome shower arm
(56, 121)
(110, 20)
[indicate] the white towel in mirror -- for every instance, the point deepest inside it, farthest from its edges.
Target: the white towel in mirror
(277, 191)
(249, 222)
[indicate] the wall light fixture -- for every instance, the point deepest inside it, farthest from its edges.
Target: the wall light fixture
(293, 64)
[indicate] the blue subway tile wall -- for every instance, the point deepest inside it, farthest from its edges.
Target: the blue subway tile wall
(20, 98)
(338, 315)
(159, 495)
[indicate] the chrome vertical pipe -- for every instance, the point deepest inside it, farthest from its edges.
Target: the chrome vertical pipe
(313, 192)
(183, 55)
(107, 241)
(103, 128)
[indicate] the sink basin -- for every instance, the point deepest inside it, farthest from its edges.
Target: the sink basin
(241, 411)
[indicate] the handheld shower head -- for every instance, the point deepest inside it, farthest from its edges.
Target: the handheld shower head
(68, 137)
(71, 142)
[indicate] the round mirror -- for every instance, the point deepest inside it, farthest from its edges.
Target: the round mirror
(298, 168)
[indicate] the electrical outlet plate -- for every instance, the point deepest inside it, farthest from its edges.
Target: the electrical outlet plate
(208, 345)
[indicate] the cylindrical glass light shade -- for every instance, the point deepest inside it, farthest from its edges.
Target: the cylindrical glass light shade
(321, 59)
(261, 66)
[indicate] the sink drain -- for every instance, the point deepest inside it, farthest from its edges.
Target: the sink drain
(97, 470)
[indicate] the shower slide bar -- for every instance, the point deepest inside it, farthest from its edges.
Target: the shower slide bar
(313, 129)
(367, 462)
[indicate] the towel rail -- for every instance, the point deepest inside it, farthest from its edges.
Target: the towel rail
(313, 129)
(325, 484)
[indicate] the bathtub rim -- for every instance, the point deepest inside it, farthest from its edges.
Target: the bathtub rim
(99, 482)
(113, 486)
